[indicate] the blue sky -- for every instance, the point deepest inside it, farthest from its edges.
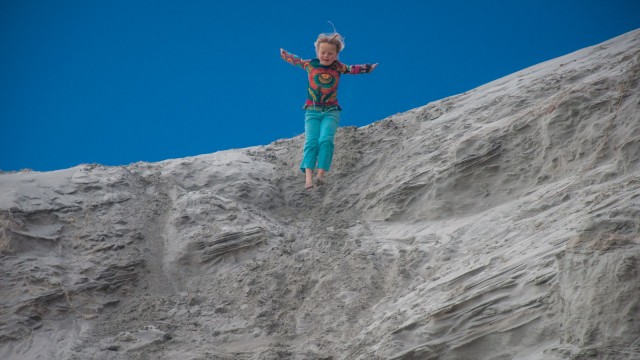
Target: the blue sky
(119, 81)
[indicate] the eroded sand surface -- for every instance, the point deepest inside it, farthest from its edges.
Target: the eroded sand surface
(502, 223)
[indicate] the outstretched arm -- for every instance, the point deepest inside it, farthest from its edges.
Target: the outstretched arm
(292, 59)
(358, 69)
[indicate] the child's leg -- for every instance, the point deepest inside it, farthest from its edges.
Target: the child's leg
(320, 176)
(312, 121)
(308, 178)
(328, 129)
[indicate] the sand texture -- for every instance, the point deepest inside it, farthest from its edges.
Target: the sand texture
(501, 223)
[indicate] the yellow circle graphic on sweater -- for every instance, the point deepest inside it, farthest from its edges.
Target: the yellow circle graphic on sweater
(325, 79)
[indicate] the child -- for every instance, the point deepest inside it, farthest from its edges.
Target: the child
(322, 110)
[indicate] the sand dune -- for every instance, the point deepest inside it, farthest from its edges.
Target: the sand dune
(501, 223)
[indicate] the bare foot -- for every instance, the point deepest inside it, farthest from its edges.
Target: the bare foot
(308, 183)
(320, 177)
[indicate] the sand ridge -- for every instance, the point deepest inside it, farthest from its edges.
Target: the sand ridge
(501, 223)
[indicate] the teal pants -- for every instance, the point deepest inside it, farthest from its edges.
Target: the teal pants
(319, 130)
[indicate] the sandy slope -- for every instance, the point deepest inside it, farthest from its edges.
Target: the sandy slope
(501, 223)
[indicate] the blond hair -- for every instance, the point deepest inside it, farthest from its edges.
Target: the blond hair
(331, 38)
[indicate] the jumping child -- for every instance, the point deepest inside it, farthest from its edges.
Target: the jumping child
(322, 110)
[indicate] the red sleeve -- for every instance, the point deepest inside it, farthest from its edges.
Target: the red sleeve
(355, 69)
(294, 60)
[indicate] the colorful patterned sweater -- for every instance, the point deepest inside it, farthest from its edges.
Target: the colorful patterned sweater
(323, 80)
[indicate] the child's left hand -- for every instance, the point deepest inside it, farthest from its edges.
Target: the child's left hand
(373, 67)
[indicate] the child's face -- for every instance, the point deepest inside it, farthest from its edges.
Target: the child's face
(327, 53)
